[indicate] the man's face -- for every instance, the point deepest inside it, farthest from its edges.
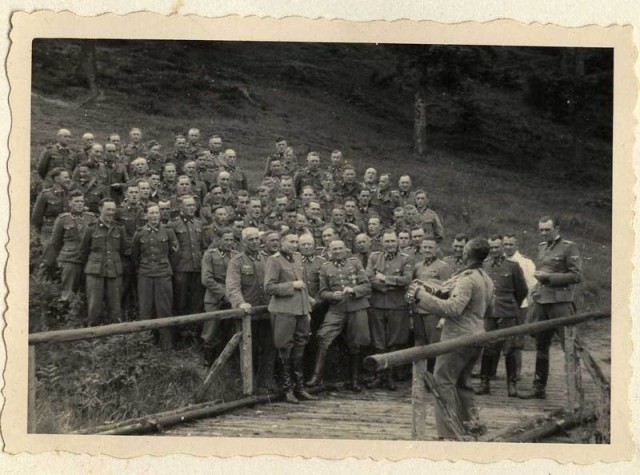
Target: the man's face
(96, 153)
(181, 144)
(165, 210)
(314, 210)
(275, 167)
(290, 218)
(411, 214)
(170, 173)
(374, 226)
(115, 140)
(216, 195)
(189, 168)
(286, 187)
(215, 144)
(153, 215)
(133, 195)
(135, 135)
(384, 182)
(370, 175)
(509, 246)
(201, 162)
(221, 216)
(363, 244)
(108, 211)
(429, 248)
(548, 230)
(224, 179)
(307, 195)
(337, 250)
(336, 158)
(140, 166)
(154, 180)
(87, 140)
(281, 204)
(188, 207)
(398, 214)
(337, 216)
(252, 240)
(349, 208)
(64, 137)
(281, 146)
(111, 151)
(313, 162)
(231, 157)
(306, 245)
(404, 183)
(404, 239)
(349, 176)
(328, 235)
(417, 235)
(327, 183)
(242, 203)
(238, 226)
(145, 190)
(194, 136)
(263, 194)
(390, 242)
(273, 242)
(290, 243)
(76, 204)
(226, 242)
(183, 186)
(421, 200)
(84, 174)
(255, 209)
(458, 247)
(364, 198)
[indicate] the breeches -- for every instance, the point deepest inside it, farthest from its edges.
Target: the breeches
(389, 327)
(541, 312)
(290, 331)
(357, 328)
(188, 293)
(507, 346)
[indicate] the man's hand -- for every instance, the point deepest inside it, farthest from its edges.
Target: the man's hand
(312, 301)
(380, 276)
(338, 295)
(298, 284)
(348, 291)
(440, 323)
(542, 277)
(245, 306)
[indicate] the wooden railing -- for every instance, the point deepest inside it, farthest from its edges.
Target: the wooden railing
(424, 382)
(241, 339)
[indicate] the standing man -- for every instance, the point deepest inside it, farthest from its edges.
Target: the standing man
(390, 273)
(427, 327)
(57, 155)
(385, 201)
(559, 269)
(215, 262)
(456, 261)
(102, 247)
(135, 148)
(464, 312)
(64, 247)
(49, 204)
(510, 290)
(310, 175)
(152, 248)
(245, 289)
(345, 287)
(290, 305)
(428, 218)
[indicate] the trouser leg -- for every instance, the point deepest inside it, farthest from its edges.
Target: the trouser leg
(163, 296)
(95, 299)
(113, 293)
(71, 275)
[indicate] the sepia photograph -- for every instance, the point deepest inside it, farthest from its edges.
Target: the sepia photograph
(337, 240)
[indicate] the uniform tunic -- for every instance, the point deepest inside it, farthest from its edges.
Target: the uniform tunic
(55, 156)
(49, 204)
(214, 271)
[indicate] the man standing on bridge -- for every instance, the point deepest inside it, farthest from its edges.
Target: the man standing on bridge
(558, 271)
(464, 312)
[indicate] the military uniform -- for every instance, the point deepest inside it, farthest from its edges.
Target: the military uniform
(64, 248)
(455, 262)
(166, 190)
(405, 197)
(214, 271)
(49, 204)
(430, 222)
(306, 177)
(187, 265)
(102, 248)
(155, 161)
(425, 324)
(553, 298)
(238, 179)
(131, 217)
(93, 193)
(55, 156)
(151, 251)
(245, 283)
(346, 190)
(327, 201)
(510, 290)
(384, 202)
(464, 312)
(133, 151)
(289, 308)
(346, 234)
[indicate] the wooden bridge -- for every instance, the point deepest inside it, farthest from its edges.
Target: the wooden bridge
(574, 396)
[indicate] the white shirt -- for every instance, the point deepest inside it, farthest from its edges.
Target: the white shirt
(528, 269)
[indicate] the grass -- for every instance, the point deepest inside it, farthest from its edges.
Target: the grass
(323, 100)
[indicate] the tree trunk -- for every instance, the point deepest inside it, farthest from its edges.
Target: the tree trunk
(420, 122)
(576, 108)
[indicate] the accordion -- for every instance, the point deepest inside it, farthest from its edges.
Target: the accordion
(437, 290)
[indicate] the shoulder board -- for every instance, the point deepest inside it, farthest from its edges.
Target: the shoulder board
(62, 215)
(47, 189)
(352, 258)
(277, 254)
(467, 272)
(403, 254)
(326, 262)
(375, 252)
(90, 213)
(543, 243)
(566, 241)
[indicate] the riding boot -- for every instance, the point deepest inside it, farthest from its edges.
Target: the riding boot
(539, 381)
(284, 363)
(318, 372)
(485, 373)
(354, 364)
(512, 374)
(298, 375)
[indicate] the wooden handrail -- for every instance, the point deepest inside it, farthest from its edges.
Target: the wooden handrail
(410, 355)
(76, 334)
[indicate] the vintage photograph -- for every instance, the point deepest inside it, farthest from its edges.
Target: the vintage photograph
(304, 240)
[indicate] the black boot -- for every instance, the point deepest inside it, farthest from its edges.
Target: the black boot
(539, 381)
(318, 372)
(485, 386)
(485, 373)
(284, 363)
(354, 365)
(298, 376)
(512, 372)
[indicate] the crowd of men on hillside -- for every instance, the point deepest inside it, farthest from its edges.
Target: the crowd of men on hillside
(146, 235)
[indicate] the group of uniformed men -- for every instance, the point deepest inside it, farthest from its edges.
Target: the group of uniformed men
(181, 233)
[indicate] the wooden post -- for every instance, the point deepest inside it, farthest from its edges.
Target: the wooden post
(31, 412)
(217, 365)
(450, 415)
(419, 401)
(572, 369)
(246, 356)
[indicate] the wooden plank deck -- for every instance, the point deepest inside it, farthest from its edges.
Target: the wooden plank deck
(380, 414)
